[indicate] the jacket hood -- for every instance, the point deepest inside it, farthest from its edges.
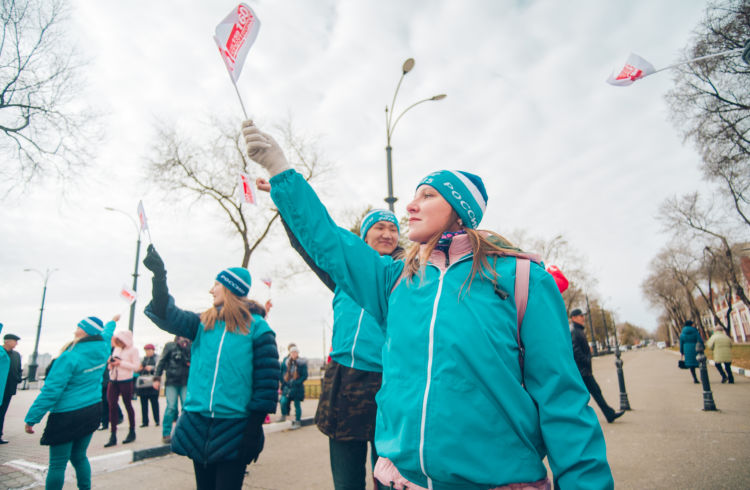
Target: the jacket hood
(126, 337)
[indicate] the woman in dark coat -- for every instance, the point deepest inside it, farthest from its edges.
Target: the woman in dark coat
(148, 393)
(689, 339)
(293, 376)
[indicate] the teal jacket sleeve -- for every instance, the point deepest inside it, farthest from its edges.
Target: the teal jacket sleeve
(53, 388)
(108, 331)
(356, 268)
(4, 366)
(176, 321)
(570, 429)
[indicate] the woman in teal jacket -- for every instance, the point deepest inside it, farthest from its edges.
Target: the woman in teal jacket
(456, 410)
(689, 340)
(233, 379)
(72, 395)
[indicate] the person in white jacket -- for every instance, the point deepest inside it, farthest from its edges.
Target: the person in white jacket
(123, 362)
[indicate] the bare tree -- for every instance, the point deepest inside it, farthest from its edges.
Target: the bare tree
(685, 216)
(45, 130)
(710, 103)
(210, 170)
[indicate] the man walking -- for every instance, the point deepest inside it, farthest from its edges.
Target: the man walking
(175, 363)
(14, 377)
(582, 356)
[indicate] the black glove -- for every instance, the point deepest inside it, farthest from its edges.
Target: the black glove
(154, 263)
(253, 439)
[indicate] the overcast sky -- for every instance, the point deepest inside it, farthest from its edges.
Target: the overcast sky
(559, 150)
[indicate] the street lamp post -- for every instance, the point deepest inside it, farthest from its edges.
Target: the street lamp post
(624, 403)
(390, 125)
(33, 365)
(135, 270)
(591, 327)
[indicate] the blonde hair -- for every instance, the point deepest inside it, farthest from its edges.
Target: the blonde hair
(235, 313)
(483, 243)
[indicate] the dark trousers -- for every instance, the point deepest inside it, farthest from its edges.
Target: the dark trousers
(596, 394)
(728, 375)
(348, 460)
(224, 475)
(154, 399)
(115, 390)
(692, 372)
(3, 409)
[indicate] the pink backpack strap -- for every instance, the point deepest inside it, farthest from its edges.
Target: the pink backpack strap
(521, 293)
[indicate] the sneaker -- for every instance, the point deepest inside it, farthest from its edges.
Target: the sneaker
(296, 424)
(166, 439)
(145, 424)
(282, 419)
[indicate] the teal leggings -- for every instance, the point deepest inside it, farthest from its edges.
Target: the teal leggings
(75, 452)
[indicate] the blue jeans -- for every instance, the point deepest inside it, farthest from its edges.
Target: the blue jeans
(170, 413)
(75, 452)
(285, 405)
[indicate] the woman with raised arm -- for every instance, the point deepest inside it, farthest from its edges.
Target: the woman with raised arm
(72, 396)
(479, 383)
(233, 377)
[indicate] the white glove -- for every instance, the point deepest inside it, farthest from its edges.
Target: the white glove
(263, 149)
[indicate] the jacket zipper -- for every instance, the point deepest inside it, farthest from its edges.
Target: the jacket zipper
(429, 369)
(216, 372)
(356, 335)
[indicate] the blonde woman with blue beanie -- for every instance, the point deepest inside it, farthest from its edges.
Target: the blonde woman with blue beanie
(479, 382)
(72, 396)
(233, 379)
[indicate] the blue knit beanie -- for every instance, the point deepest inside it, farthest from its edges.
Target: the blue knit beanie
(465, 193)
(375, 216)
(235, 279)
(91, 325)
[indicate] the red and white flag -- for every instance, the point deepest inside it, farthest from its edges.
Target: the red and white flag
(127, 294)
(234, 36)
(266, 281)
(635, 68)
(248, 191)
(142, 216)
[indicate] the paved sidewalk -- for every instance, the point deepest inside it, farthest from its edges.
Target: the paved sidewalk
(23, 460)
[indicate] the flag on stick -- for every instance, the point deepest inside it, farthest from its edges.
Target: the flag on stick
(248, 191)
(143, 220)
(234, 36)
(266, 281)
(635, 68)
(127, 294)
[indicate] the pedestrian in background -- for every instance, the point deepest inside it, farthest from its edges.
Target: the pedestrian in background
(122, 365)
(148, 394)
(689, 339)
(721, 345)
(293, 376)
(71, 396)
(15, 376)
(234, 375)
(4, 367)
(175, 366)
(475, 392)
(582, 356)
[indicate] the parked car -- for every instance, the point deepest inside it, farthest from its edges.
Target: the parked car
(661, 345)
(623, 348)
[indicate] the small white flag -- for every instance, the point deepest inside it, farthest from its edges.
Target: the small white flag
(127, 294)
(247, 189)
(234, 36)
(142, 216)
(635, 68)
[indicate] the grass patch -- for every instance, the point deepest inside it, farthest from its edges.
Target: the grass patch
(740, 355)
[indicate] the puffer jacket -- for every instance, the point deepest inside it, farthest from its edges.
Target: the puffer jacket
(232, 384)
(175, 363)
(721, 345)
(689, 339)
(294, 389)
(452, 404)
(130, 361)
(75, 381)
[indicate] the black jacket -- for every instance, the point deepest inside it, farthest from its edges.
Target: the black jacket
(175, 361)
(15, 373)
(148, 361)
(581, 349)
